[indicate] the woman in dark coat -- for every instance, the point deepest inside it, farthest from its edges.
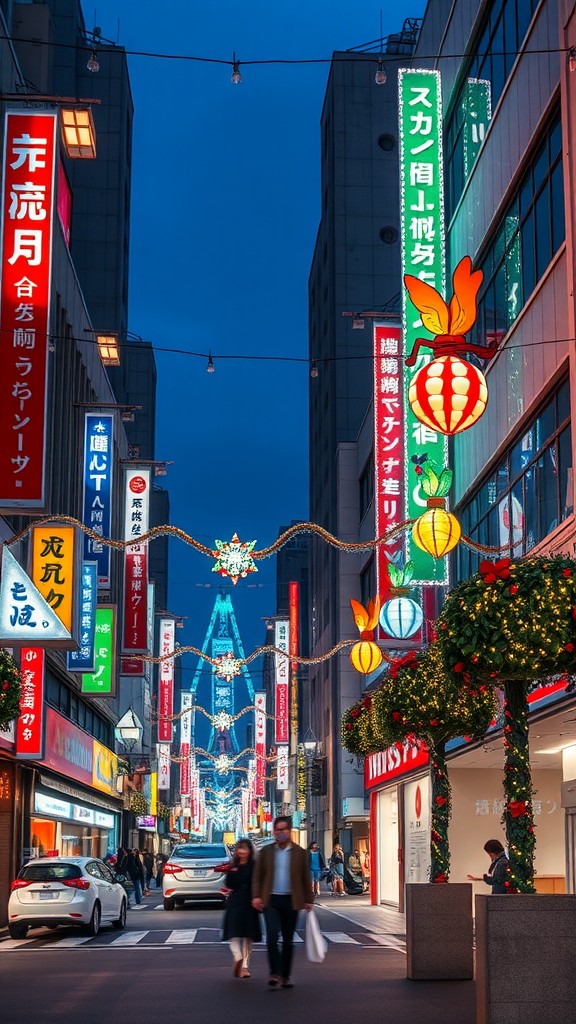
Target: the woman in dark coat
(241, 922)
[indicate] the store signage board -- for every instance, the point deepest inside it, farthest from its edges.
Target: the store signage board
(25, 617)
(27, 204)
(166, 681)
(30, 722)
(423, 256)
(260, 742)
(102, 682)
(136, 521)
(281, 682)
(82, 660)
(389, 446)
(97, 497)
(54, 570)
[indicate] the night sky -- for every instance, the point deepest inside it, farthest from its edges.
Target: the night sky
(225, 210)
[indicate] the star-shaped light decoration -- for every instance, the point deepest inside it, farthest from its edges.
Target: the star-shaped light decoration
(222, 764)
(233, 558)
(222, 720)
(227, 666)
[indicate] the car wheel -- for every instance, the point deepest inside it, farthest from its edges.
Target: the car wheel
(168, 903)
(18, 931)
(120, 922)
(94, 925)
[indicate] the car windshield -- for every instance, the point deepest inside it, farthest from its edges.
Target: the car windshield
(49, 872)
(190, 852)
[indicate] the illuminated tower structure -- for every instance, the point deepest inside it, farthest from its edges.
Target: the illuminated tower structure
(222, 697)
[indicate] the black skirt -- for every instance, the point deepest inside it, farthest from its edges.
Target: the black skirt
(241, 921)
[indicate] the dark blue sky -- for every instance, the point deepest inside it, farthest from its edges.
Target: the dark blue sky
(225, 209)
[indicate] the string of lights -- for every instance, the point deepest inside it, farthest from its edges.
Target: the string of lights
(167, 530)
(90, 48)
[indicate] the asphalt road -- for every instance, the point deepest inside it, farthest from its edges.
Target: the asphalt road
(172, 968)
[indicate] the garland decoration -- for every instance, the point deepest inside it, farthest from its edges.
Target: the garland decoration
(506, 626)
(138, 804)
(10, 689)
(420, 703)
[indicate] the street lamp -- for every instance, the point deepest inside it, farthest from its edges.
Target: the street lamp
(129, 730)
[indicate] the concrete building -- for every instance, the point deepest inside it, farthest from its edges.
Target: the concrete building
(509, 205)
(355, 268)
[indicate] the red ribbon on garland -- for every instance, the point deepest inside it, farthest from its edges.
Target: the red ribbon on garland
(517, 808)
(492, 571)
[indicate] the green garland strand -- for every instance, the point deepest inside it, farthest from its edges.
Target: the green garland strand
(518, 816)
(10, 689)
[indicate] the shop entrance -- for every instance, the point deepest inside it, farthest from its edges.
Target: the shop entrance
(387, 847)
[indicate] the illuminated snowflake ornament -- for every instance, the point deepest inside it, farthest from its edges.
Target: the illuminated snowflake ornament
(227, 666)
(234, 558)
(222, 764)
(222, 721)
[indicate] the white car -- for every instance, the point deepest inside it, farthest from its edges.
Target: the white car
(65, 890)
(189, 873)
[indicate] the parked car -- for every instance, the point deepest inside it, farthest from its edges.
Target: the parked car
(189, 873)
(51, 891)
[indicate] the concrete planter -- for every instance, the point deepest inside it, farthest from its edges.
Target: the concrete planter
(439, 935)
(525, 959)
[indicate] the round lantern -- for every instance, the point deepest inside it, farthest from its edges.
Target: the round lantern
(365, 656)
(448, 395)
(401, 617)
(437, 532)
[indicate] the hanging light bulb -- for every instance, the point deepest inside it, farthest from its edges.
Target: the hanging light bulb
(313, 368)
(236, 76)
(210, 368)
(93, 64)
(380, 76)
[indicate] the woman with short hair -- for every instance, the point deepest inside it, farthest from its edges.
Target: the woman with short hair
(241, 922)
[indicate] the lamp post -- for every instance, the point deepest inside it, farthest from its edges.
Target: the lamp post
(129, 731)
(310, 744)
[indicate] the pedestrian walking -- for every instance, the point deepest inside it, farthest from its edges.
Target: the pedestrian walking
(161, 859)
(134, 871)
(317, 865)
(281, 886)
(241, 921)
(148, 861)
(337, 870)
(498, 874)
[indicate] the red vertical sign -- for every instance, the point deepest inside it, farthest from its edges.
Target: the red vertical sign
(26, 254)
(30, 723)
(260, 743)
(166, 681)
(389, 447)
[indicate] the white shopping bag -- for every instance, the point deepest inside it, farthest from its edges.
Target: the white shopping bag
(316, 945)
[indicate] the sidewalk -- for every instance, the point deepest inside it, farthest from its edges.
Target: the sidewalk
(358, 910)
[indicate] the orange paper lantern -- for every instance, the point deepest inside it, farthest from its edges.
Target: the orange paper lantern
(365, 656)
(448, 394)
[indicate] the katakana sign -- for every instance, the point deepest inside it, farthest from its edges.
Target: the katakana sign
(25, 616)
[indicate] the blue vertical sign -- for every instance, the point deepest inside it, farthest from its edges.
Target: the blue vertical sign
(82, 660)
(97, 503)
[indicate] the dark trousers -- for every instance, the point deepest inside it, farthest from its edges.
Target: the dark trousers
(280, 918)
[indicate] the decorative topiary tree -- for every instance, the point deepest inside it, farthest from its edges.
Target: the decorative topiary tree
(509, 624)
(10, 687)
(419, 703)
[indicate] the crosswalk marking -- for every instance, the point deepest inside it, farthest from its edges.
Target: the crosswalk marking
(183, 935)
(340, 937)
(73, 940)
(14, 943)
(386, 940)
(128, 939)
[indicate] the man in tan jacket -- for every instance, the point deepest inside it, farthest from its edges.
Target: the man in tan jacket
(281, 886)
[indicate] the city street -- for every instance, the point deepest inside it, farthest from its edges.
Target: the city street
(172, 966)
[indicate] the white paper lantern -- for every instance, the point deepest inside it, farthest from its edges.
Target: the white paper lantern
(401, 617)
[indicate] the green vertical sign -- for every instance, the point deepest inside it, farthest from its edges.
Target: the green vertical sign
(477, 114)
(422, 239)
(102, 682)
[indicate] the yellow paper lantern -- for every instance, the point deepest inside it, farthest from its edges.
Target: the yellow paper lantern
(365, 656)
(437, 532)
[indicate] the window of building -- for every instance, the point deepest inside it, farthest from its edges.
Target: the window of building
(530, 492)
(525, 241)
(368, 582)
(367, 486)
(489, 65)
(71, 706)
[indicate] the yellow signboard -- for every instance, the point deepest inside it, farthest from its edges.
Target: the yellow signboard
(104, 768)
(53, 571)
(154, 793)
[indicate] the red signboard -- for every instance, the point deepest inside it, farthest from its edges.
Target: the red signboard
(136, 518)
(29, 726)
(166, 681)
(389, 454)
(281, 682)
(185, 770)
(69, 750)
(26, 253)
(260, 743)
(399, 759)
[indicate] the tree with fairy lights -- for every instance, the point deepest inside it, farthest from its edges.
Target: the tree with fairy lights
(509, 624)
(419, 704)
